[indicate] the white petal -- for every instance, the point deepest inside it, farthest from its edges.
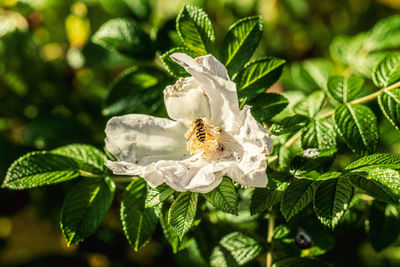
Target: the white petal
(194, 174)
(142, 139)
(147, 172)
(252, 145)
(220, 91)
(186, 101)
(211, 63)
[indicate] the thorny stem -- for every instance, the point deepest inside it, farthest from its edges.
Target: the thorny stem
(355, 101)
(271, 225)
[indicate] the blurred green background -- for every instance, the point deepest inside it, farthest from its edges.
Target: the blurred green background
(54, 81)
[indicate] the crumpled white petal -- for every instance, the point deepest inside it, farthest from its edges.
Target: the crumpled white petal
(220, 90)
(255, 145)
(186, 101)
(143, 139)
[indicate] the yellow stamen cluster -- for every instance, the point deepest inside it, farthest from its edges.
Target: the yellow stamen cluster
(202, 136)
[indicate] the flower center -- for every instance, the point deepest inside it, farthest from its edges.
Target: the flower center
(203, 137)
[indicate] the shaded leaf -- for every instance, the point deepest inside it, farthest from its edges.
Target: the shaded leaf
(332, 198)
(267, 105)
(182, 212)
(384, 225)
(85, 207)
(138, 222)
(310, 105)
(298, 262)
(296, 197)
(224, 197)
(289, 124)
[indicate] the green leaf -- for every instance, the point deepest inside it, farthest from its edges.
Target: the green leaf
(40, 168)
(267, 105)
(296, 197)
(389, 101)
(88, 157)
(385, 34)
(85, 207)
(332, 198)
(157, 195)
(169, 232)
(289, 124)
(387, 71)
(138, 222)
(258, 75)
(298, 262)
(378, 175)
(195, 29)
(124, 36)
(373, 187)
(384, 225)
(182, 212)
(358, 126)
(240, 42)
(310, 75)
(311, 105)
(319, 134)
(235, 249)
(136, 90)
(344, 89)
(224, 197)
(174, 68)
(310, 160)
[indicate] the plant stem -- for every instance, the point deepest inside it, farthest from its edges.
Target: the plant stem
(90, 174)
(271, 225)
(360, 100)
(127, 179)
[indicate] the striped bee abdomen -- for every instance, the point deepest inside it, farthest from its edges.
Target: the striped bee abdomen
(199, 130)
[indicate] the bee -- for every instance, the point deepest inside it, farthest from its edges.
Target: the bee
(199, 130)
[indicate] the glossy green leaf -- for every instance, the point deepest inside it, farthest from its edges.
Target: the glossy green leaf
(357, 124)
(195, 29)
(389, 101)
(289, 124)
(384, 224)
(332, 199)
(310, 75)
(235, 249)
(138, 222)
(85, 207)
(40, 168)
(310, 160)
(267, 105)
(88, 157)
(319, 134)
(174, 68)
(345, 89)
(296, 197)
(387, 71)
(224, 197)
(182, 212)
(124, 36)
(378, 175)
(258, 75)
(159, 194)
(240, 42)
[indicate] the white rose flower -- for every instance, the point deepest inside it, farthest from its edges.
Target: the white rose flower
(208, 137)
